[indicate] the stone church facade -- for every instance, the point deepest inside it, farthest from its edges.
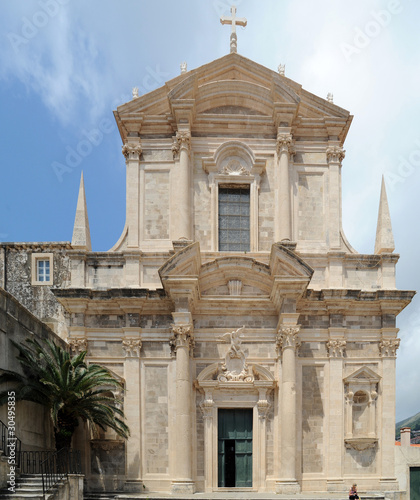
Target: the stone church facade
(256, 346)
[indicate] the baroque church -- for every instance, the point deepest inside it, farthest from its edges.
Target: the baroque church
(256, 347)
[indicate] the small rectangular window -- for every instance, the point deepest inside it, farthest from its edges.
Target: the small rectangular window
(234, 225)
(43, 271)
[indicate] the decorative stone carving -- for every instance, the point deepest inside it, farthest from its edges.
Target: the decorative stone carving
(235, 287)
(182, 336)
(235, 367)
(335, 154)
(284, 144)
(77, 345)
(282, 69)
(287, 336)
(183, 67)
(234, 167)
(132, 151)
(182, 140)
(207, 405)
(360, 444)
(336, 348)
(135, 92)
(330, 97)
(131, 347)
(388, 348)
(264, 406)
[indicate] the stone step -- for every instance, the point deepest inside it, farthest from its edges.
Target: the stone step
(230, 496)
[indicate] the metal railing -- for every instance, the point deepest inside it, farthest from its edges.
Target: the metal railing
(57, 465)
(10, 444)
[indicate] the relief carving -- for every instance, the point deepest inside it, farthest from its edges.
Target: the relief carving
(182, 140)
(285, 144)
(235, 367)
(234, 167)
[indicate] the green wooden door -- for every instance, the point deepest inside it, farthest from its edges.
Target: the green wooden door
(235, 448)
(414, 483)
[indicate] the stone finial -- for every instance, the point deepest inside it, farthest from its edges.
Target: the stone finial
(281, 69)
(183, 67)
(135, 92)
(81, 231)
(330, 97)
(384, 242)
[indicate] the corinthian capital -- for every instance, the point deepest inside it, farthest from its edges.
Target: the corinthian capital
(77, 345)
(335, 154)
(388, 348)
(284, 144)
(182, 335)
(336, 348)
(131, 347)
(132, 151)
(287, 336)
(182, 140)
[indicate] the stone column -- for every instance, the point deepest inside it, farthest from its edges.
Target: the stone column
(183, 339)
(181, 149)
(335, 155)
(131, 348)
(284, 220)
(336, 348)
(288, 343)
(388, 350)
(132, 151)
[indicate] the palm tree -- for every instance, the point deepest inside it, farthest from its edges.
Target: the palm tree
(68, 387)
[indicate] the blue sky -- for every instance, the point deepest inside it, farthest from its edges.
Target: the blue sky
(67, 64)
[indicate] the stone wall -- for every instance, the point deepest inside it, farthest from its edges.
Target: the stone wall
(16, 262)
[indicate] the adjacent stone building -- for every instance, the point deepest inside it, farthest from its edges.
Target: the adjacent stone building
(257, 347)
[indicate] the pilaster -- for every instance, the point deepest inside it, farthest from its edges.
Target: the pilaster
(335, 155)
(284, 148)
(131, 350)
(336, 346)
(132, 151)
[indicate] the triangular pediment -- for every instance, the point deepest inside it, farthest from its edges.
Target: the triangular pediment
(363, 375)
(231, 85)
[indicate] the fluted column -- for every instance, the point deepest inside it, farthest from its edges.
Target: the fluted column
(132, 151)
(183, 340)
(288, 343)
(335, 155)
(183, 222)
(283, 229)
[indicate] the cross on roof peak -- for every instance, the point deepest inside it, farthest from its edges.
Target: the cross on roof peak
(233, 20)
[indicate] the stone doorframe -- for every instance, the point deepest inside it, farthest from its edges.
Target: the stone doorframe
(253, 394)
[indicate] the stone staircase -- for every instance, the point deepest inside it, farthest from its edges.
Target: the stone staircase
(28, 486)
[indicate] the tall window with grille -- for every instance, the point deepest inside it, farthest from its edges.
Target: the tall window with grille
(234, 226)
